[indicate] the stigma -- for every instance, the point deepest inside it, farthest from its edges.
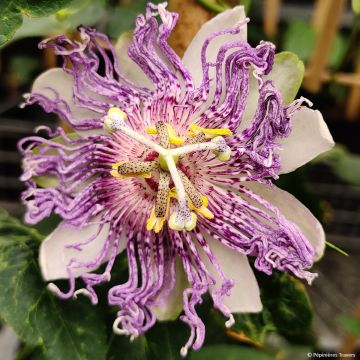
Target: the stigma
(177, 201)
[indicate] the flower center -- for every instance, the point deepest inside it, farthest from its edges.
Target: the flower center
(170, 149)
(163, 163)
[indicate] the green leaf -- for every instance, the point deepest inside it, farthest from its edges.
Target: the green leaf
(32, 352)
(287, 73)
(10, 20)
(85, 12)
(287, 310)
(36, 8)
(163, 341)
(351, 324)
(135, 350)
(71, 329)
(288, 305)
(344, 164)
(253, 328)
(36, 355)
(12, 11)
(229, 352)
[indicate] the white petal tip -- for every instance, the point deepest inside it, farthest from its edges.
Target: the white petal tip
(309, 138)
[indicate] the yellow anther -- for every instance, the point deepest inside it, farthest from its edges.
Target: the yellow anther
(157, 223)
(203, 210)
(205, 200)
(114, 172)
(151, 131)
(209, 133)
(173, 137)
(116, 165)
(173, 194)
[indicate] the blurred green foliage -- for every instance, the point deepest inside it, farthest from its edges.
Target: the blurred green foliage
(229, 352)
(351, 324)
(23, 67)
(218, 6)
(356, 6)
(343, 163)
(122, 18)
(300, 38)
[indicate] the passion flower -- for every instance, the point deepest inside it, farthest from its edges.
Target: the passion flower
(172, 161)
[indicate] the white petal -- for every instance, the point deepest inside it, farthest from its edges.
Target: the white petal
(294, 211)
(54, 257)
(9, 343)
(245, 295)
(127, 66)
(309, 137)
(62, 83)
(225, 20)
(173, 304)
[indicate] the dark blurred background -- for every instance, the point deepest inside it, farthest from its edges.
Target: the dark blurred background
(325, 34)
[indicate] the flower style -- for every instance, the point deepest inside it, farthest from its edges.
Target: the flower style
(172, 161)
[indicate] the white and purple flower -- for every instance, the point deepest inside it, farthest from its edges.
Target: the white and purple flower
(172, 161)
